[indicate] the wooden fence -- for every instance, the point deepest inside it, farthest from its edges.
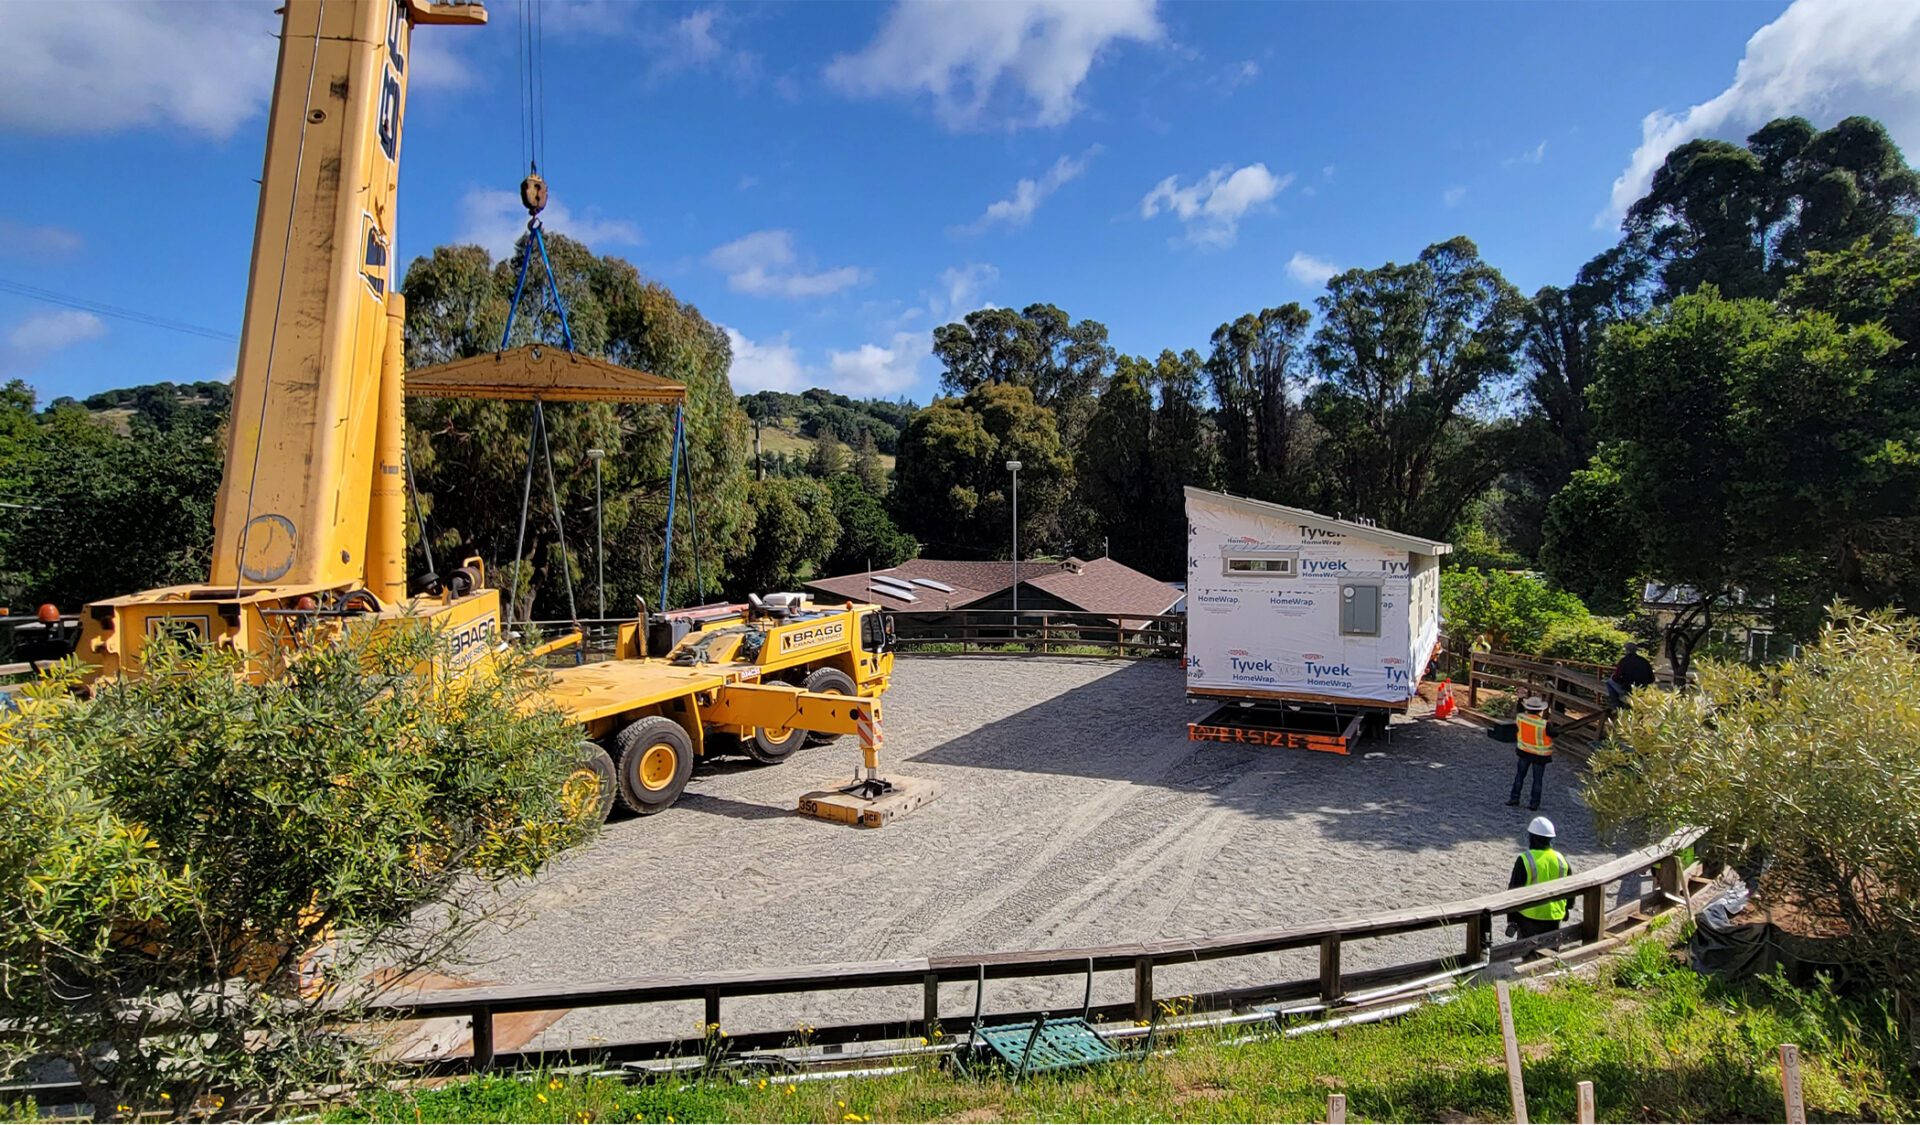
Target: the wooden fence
(1040, 632)
(1575, 692)
(1334, 987)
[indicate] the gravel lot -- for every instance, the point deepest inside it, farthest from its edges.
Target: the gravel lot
(1073, 812)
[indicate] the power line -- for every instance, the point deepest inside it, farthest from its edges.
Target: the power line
(65, 300)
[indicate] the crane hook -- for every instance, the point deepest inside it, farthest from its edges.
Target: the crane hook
(533, 194)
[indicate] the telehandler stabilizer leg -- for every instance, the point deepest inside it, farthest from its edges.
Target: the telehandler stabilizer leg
(871, 801)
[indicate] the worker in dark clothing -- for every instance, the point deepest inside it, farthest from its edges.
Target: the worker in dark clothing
(1539, 864)
(1632, 672)
(1533, 744)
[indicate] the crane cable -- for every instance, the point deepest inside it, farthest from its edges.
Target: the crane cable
(279, 298)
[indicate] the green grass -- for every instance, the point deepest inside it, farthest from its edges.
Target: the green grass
(1658, 1043)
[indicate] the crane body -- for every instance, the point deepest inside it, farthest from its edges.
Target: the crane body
(310, 516)
(310, 519)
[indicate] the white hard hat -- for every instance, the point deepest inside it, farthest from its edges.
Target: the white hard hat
(1535, 703)
(1541, 826)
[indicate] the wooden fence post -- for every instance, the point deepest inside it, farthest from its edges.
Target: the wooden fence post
(1584, 1092)
(1668, 876)
(482, 1038)
(1477, 927)
(1473, 685)
(1330, 968)
(930, 1005)
(1796, 1102)
(1143, 988)
(713, 1008)
(1336, 1109)
(1516, 1086)
(1593, 914)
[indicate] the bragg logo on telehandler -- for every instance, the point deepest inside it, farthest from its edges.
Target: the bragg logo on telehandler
(820, 634)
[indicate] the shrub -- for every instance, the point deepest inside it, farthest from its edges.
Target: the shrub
(1503, 610)
(1811, 766)
(1589, 640)
(203, 877)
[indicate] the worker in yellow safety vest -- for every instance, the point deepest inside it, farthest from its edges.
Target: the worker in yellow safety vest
(1539, 864)
(1533, 740)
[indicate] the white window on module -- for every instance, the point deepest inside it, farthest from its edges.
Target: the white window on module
(1260, 564)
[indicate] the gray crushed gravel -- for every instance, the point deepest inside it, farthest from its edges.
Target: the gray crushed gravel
(1073, 812)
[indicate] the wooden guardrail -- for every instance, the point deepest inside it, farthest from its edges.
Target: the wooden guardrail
(1039, 632)
(1575, 692)
(1333, 985)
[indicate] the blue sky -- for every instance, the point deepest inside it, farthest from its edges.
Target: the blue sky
(830, 181)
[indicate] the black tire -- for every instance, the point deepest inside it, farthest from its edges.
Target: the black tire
(834, 682)
(773, 747)
(656, 759)
(593, 767)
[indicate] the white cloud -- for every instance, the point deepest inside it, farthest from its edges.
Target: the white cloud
(1821, 59)
(111, 64)
(18, 240)
(1534, 155)
(1309, 270)
(961, 288)
(495, 219)
(769, 366)
(1213, 206)
(765, 264)
(1017, 209)
(43, 333)
(435, 64)
(876, 371)
(698, 42)
(870, 369)
(1022, 60)
(1453, 195)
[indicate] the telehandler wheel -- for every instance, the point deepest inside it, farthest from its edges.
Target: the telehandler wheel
(587, 793)
(656, 759)
(773, 746)
(834, 682)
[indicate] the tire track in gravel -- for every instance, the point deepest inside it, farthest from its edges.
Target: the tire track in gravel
(1141, 825)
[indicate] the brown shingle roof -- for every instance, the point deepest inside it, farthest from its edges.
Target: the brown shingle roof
(1100, 586)
(1105, 586)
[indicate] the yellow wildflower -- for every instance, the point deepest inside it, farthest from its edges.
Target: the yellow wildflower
(542, 1097)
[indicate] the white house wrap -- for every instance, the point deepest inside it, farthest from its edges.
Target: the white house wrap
(1286, 603)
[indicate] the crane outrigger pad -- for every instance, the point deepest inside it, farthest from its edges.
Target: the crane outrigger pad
(543, 372)
(870, 802)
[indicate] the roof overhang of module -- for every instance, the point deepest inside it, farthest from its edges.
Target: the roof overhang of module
(543, 372)
(1305, 518)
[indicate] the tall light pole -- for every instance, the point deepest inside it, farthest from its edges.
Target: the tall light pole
(599, 534)
(1014, 468)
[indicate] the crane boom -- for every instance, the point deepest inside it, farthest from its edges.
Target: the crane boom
(310, 514)
(295, 500)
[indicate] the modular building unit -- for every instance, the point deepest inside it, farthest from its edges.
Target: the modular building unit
(1290, 605)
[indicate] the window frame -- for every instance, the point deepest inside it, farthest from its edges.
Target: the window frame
(1291, 558)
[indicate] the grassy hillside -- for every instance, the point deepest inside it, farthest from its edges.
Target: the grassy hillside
(1657, 1041)
(783, 436)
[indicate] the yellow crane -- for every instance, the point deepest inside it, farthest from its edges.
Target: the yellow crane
(309, 523)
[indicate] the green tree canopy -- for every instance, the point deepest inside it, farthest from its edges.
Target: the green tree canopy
(1745, 219)
(470, 456)
(1258, 369)
(1405, 352)
(952, 489)
(794, 531)
(1753, 445)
